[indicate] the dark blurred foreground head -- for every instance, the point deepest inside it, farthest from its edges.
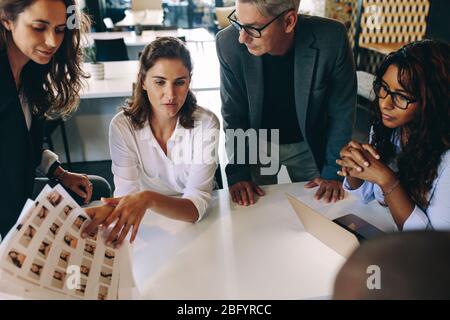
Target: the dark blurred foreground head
(411, 265)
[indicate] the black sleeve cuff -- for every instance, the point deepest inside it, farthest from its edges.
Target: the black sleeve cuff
(51, 170)
(236, 173)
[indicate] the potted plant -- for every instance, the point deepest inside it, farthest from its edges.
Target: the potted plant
(96, 69)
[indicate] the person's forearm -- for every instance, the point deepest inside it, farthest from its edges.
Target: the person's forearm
(398, 201)
(172, 207)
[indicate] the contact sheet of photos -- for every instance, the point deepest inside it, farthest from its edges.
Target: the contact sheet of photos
(46, 246)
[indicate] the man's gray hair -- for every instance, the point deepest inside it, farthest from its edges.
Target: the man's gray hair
(270, 8)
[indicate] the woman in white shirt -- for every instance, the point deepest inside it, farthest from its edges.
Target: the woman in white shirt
(162, 145)
(406, 166)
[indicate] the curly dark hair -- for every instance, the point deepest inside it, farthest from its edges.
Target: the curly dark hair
(52, 89)
(138, 108)
(424, 72)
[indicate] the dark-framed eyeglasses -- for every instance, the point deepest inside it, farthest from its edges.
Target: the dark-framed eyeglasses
(399, 100)
(252, 31)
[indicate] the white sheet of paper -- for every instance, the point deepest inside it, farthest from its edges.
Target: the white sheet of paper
(45, 254)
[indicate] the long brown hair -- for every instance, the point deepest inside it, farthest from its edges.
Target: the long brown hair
(138, 108)
(424, 72)
(52, 89)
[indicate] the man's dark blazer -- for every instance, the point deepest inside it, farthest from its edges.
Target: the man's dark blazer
(324, 84)
(20, 150)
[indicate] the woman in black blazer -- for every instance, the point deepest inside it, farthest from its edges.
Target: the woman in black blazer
(40, 77)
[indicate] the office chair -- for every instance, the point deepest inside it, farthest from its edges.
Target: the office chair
(365, 94)
(111, 50)
(222, 16)
(156, 27)
(101, 188)
(364, 99)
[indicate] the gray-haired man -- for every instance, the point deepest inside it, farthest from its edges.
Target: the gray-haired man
(290, 72)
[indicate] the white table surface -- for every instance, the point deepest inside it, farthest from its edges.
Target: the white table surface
(236, 252)
(255, 252)
(131, 39)
(120, 76)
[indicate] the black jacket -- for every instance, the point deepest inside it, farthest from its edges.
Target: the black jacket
(20, 150)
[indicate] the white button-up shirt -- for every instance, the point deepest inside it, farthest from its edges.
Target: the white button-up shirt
(139, 163)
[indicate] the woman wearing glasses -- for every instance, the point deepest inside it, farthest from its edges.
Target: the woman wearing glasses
(406, 166)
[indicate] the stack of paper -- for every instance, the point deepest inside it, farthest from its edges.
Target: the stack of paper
(45, 255)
